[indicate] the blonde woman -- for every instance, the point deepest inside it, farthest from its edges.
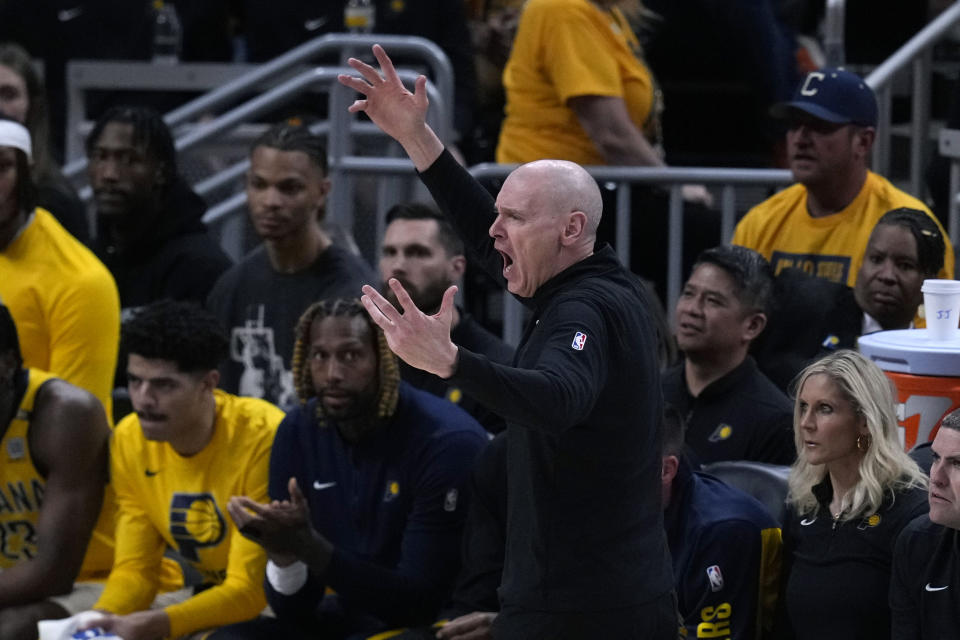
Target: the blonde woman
(852, 489)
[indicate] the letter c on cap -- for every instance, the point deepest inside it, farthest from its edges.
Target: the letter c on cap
(805, 89)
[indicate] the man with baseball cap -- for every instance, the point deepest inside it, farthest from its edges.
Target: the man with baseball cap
(823, 223)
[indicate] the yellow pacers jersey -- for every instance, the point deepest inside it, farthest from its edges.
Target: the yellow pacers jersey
(832, 247)
(165, 499)
(21, 495)
(566, 49)
(65, 305)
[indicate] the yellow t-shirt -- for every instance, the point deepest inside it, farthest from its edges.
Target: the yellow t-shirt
(830, 247)
(65, 304)
(565, 49)
(166, 499)
(21, 495)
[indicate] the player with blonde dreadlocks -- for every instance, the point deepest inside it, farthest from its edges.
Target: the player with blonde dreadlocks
(389, 372)
(366, 486)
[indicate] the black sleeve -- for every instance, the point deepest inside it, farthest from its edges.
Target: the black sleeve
(776, 445)
(67, 208)
(196, 270)
(469, 207)
(561, 391)
(484, 538)
(904, 592)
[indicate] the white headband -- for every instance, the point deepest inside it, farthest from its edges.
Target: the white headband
(13, 134)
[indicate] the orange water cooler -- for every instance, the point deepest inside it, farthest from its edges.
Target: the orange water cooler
(927, 376)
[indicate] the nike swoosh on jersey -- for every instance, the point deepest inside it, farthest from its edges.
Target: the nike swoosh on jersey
(929, 588)
(806, 522)
(66, 15)
(149, 473)
(320, 486)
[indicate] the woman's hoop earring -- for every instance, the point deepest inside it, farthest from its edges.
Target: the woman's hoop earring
(863, 442)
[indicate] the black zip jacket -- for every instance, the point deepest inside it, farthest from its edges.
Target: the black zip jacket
(584, 520)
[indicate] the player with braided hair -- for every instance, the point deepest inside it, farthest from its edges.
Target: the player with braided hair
(343, 308)
(367, 478)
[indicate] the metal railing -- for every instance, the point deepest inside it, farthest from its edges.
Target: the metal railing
(241, 80)
(833, 33)
(916, 53)
(727, 180)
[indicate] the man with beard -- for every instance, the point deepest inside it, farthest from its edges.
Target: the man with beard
(422, 251)
(174, 464)
(367, 480)
(149, 228)
(260, 299)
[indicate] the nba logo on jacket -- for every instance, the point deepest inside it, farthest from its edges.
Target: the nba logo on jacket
(579, 340)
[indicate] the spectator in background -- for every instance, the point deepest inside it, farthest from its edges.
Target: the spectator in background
(175, 463)
(368, 481)
(62, 298)
(52, 484)
(493, 25)
(851, 492)
(150, 232)
(62, 30)
(813, 316)
(906, 247)
(271, 27)
(925, 588)
(579, 89)
(732, 410)
(23, 98)
(260, 299)
(757, 68)
(823, 223)
(724, 544)
(422, 251)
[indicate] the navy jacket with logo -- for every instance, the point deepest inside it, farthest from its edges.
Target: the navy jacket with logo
(726, 557)
(393, 507)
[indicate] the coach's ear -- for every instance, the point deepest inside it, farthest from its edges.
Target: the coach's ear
(210, 380)
(574, 227)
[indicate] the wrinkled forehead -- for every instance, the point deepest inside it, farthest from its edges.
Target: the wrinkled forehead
(947, 442)
(525, 191)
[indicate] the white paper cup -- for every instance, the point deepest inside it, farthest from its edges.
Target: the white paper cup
(941, 302)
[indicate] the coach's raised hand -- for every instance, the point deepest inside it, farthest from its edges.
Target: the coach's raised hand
(399, 113)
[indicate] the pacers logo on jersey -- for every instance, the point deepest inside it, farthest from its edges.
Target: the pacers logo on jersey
(721, 433)
(195, 523)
